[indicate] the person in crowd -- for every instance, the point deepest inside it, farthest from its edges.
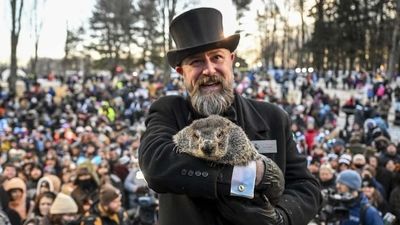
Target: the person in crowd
(360, 212)
(18, 200)
(390, 153)
(338, 146)
(108, 210)
(374, 196)
(41, 208)
(327, 177)
(189, 187)
(383, 176)
(368, 172)
(344, 162)
(106, 177)
(394, 198)
(87, 185)
(135, 186)
(44, 185)
(7, 215)
(9, 171)
(63, 211)
(358, 162)
(35, 174)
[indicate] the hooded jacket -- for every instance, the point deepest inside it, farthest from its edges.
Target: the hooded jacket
(21, 205)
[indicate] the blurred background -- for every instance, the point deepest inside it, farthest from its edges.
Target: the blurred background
(65, 37)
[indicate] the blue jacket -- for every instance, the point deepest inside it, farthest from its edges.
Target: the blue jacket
(372, 216)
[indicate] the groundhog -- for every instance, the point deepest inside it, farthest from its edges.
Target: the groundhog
(220, 141)
(216, 139)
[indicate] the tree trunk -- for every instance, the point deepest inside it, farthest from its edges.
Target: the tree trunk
(15, 30)
(35, 59)
(171, 6)
(395, 44)
(302, 30)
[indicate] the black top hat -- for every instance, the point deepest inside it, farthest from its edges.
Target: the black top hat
(198, 30)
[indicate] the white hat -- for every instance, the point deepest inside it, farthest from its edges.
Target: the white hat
(63, 204)
(345, 158)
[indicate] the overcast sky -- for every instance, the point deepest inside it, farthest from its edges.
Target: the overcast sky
(57, 13)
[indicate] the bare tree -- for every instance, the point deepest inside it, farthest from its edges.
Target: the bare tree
(394, 56)
(168, 13)
(241, 7)
(302, 33)
(37, 24)
(16, 14)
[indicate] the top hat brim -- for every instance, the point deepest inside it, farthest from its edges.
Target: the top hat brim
(175, 56)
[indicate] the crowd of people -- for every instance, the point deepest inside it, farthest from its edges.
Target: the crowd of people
(69, 152)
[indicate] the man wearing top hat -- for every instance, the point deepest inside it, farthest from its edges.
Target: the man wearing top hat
(191, 190)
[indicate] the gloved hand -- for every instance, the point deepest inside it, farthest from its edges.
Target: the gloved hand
(242, 211)
(272, 183)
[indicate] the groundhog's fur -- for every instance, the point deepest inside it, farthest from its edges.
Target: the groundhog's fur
(216, 139)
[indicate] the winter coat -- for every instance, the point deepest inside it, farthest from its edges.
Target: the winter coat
(131, 185)
(394, 202)
(103, 218)
(189, 187)
(372, 216)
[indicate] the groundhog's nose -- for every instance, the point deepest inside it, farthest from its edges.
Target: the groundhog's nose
(207, 147)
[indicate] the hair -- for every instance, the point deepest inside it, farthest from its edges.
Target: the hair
(327, 167)
(55, 219)
(376, 198)
(8, 164)
(47, 194)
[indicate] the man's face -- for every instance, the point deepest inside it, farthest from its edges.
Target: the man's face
(208, 77)
(341, 188)
(36, 173)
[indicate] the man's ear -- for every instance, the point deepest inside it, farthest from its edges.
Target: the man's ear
(179, 70)
(233, 56)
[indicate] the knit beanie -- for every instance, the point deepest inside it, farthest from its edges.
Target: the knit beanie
(108, 193)
(350, 178)
(63, 204)
(345, 159)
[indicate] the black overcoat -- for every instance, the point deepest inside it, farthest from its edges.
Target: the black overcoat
(189, 187)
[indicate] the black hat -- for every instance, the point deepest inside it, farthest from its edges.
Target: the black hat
(198, 30)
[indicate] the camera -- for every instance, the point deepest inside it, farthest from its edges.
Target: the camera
(147, 211)
(335, 206)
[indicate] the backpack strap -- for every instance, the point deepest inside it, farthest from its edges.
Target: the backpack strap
(363, 212)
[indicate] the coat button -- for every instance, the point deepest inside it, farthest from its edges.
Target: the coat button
(183, 172)
(197, 173)
(241, 188)
(190, 173)
(204, 174)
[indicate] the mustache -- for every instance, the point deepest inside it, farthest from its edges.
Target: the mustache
(209, 79)
(205, 79)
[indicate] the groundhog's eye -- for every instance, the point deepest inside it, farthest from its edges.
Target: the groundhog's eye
(196, 134)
